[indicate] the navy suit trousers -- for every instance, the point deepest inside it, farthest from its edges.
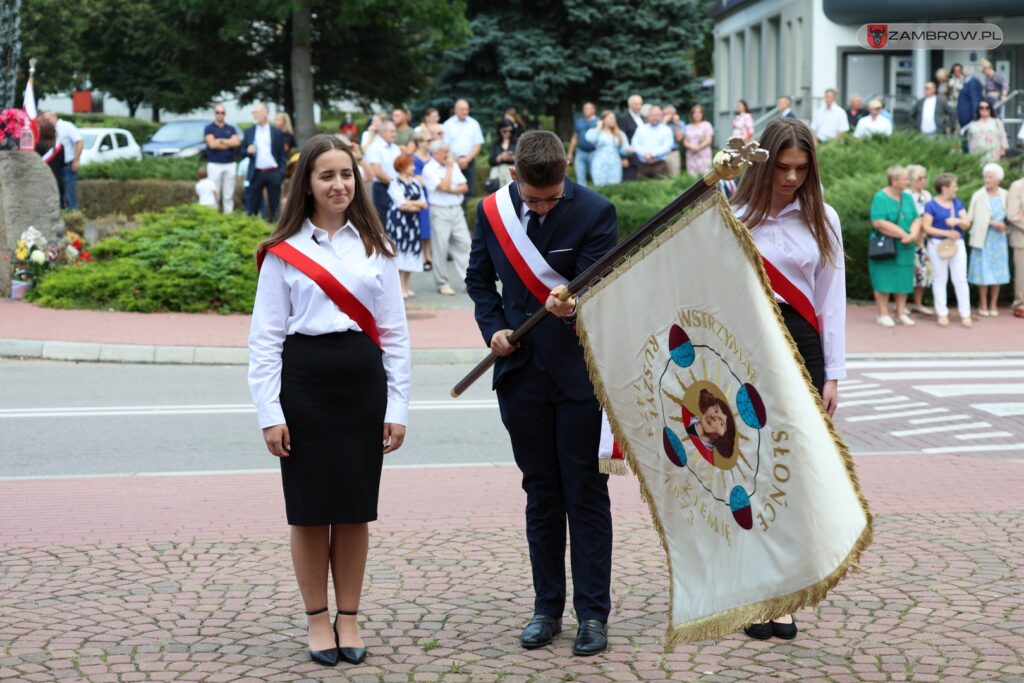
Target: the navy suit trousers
(555, 441)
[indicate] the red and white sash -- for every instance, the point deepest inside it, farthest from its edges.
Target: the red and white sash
(540, 278)
(308, 258)
(792, 294)
(54, 151)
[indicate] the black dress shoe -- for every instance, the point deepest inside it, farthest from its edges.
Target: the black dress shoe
(591, 638)
(328, 657)
(784, 631)
(350, 655)
(759, 631)
(540, 631)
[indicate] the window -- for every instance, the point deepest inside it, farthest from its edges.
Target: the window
(106, 143)
(122, 140)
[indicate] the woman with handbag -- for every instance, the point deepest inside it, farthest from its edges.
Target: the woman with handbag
(945, 220)
(329, 365)
(782, 204)
(891, 247)
(990, 255)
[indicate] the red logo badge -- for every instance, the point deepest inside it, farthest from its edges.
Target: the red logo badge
(878, 35)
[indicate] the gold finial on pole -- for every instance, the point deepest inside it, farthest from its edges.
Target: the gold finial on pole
(734, 158)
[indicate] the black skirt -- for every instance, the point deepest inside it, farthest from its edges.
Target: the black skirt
(334, 396)
(808, 343)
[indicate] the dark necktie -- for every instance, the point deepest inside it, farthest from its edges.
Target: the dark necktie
(533, 226)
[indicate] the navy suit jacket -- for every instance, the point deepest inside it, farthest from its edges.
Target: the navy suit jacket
(967, 103)
(276, 148)
(577, 232)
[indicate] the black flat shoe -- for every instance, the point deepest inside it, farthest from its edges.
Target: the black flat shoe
(759, 631)
(428, 266)
(784, 631)
(328, 657)
(540, 631)
(351, 655)
(591, 638)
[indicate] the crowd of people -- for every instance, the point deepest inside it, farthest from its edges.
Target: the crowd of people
(925, 241)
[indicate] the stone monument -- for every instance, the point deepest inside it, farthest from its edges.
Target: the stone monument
(28, 196)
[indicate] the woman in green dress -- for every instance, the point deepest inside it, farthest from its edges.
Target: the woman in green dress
(893, 213)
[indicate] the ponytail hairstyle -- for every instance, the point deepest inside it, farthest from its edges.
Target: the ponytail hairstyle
(755, 190)
(301, 204)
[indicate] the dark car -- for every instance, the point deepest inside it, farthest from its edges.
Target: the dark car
(177, 139)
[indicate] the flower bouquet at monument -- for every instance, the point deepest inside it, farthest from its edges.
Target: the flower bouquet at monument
(34, 256)
(12, 122)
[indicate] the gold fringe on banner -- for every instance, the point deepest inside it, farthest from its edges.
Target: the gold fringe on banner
(615, 466)
(732, 620)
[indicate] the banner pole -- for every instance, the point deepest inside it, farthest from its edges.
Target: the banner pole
(728, 164)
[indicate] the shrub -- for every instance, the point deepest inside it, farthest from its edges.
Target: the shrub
(156, 168)
(140, 129)
(187, 259)
(129, 197)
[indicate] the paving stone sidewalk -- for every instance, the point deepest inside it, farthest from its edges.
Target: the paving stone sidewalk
(189, 578)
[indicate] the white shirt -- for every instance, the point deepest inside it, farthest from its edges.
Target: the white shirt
(639, 120)
(829, 122)
(68, 136)
(383, 153)
(206, 190)
(877, 126)
(433, 174)
(396, 191)
(787, 242)
(461, 135)
(288, 302)
(654, 140)
(264, 154)
(928, 115)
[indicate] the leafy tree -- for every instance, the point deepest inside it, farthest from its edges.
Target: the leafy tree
(365, 50)
(51, 32)
(552, 55)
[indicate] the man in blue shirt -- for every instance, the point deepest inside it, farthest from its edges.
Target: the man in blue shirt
(581, 150)
(651, 144)
(221, 142)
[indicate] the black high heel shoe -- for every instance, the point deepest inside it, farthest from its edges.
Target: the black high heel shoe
(352, 655)
(328, 657)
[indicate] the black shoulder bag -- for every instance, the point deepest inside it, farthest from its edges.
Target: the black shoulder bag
(883, 246)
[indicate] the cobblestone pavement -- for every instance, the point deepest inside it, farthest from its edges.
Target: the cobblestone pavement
(189, 578)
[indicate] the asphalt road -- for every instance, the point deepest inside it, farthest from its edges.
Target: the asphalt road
(84, 418)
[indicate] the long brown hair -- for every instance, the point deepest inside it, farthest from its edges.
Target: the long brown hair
(755, 190)
(300, 204)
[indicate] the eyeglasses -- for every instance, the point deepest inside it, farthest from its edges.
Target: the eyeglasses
(548, 200)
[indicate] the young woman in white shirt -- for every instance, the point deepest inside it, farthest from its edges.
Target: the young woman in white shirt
(330, 400)
(783, 205)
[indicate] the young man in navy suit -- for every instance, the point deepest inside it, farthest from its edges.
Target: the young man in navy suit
(544, 392)
(264, 145)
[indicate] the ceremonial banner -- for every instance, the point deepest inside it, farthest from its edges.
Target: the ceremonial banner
(751, 489)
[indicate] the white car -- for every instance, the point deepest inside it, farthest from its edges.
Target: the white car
(107, 144)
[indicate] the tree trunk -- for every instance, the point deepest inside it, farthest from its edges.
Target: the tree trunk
(563, 118)
(133, 107)
(302, 71)
(156, 114)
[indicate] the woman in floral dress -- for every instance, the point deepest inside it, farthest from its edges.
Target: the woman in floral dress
(986, 135)
(407, 200)
(990, 257)
(697, 138)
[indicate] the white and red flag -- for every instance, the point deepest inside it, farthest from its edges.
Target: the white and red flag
(29, 107)
(750, 487)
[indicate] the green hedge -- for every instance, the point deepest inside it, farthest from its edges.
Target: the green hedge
(129, 197)
(140, 129)
(157, 168)
(189, 259)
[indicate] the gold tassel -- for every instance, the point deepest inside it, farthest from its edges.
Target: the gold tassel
(615, 466)
(729, 621)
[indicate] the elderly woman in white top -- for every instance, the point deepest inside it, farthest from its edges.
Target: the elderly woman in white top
(990, 258)
(874, 123)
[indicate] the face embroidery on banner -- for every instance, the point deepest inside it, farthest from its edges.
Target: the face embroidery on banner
(699, 391)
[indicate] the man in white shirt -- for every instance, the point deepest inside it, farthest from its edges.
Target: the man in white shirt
(68, 137)
(874, 123)
(264, 145)
(381, 156)
(651, 144)
(931, 114)
(464, 138)
(446, 186)
(830, 121)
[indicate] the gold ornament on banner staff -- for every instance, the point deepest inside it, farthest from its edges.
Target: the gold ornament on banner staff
(733, 159)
